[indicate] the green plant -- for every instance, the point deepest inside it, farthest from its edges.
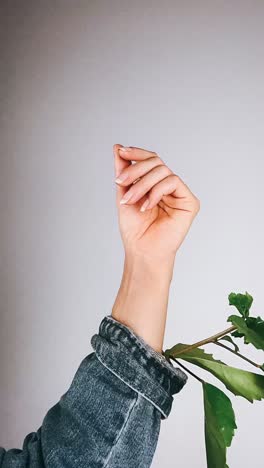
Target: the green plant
(220, 423)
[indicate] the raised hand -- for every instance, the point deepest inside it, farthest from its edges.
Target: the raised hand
(155, 212)
(156, 208)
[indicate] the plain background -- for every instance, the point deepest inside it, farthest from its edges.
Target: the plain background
(184, 79)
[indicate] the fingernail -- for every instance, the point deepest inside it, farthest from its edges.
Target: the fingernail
(144, 206)
(125, 198)
(121, 178)
(125, 148)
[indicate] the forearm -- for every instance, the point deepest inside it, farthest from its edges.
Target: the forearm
(142, 299)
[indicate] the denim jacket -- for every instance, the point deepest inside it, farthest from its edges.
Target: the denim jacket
(110, 416)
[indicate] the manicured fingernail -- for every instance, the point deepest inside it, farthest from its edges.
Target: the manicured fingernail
(125, 148)
(125, 198)
(144, 206)
(121, 178)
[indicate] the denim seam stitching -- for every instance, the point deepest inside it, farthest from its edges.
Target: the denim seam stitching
(158, 384)
(133, 404)
(135, 390)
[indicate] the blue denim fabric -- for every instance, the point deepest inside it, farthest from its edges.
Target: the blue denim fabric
(110, 416)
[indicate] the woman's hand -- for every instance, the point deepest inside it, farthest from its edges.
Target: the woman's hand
(155, 207)
(153, 222)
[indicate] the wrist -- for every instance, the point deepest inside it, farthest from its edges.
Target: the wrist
(142, 299)
(148, 268)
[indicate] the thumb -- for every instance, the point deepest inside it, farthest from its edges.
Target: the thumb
(120, 165)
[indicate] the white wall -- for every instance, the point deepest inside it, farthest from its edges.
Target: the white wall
(184, 79)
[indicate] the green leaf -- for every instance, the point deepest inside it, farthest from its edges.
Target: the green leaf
(238, 381)
(229, 339)
(219, 426)
(236, 334)
(242, 302)
(251, 328)
(179, 349)
(222, 411)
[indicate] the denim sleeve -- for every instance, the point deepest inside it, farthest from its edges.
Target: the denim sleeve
(110, 416)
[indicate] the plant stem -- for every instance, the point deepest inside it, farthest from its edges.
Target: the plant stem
(238, 354)
(211, 339)
(187, 370)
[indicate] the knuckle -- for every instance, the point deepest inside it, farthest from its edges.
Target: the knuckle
(166, 170)
(157, 159)
(197, 204)
(175, 177)
(161, 160)
(170, 171)
(157, 171)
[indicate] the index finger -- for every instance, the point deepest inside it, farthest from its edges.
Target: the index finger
(133, 153)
